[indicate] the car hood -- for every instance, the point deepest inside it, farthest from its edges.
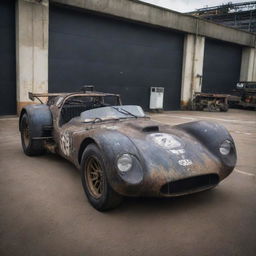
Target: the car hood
(167, 151)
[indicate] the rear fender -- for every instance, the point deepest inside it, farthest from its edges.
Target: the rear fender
(39, 116)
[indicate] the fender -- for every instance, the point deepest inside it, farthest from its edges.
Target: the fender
(113, 144)
(211, 135)
(40, 119)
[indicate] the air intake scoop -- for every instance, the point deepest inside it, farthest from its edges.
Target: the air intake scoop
(152, 128)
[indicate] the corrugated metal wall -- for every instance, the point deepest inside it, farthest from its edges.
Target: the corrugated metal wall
(222, 63)
(114, 55)
(7, 56)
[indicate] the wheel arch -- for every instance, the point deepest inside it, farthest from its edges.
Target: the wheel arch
(86, 142)
(39, 116)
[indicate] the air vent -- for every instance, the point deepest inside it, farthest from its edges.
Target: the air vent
(153, 128)
(190, 184)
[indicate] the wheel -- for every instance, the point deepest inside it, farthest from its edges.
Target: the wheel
(30, 147)
(199, 107)
(211, 107)
(96, 187)
(224, 108)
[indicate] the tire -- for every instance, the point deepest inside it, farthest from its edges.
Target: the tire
(211, 107)
(30, 147)
(101, 196)
(224, 108)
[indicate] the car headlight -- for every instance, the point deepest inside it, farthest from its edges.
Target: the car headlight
(225, 147)
(124, 163)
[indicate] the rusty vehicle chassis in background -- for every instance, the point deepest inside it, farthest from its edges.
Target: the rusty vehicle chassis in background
(210, 102)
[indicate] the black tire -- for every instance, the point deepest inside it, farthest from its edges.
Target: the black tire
(211, 107)
(224, 108)
(101, 197)
(30, 147)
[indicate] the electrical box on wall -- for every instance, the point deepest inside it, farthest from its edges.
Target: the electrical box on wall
(156, 98)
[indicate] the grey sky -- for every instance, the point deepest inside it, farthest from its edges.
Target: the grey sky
(189, 5)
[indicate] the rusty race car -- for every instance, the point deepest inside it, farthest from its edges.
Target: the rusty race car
(121, 152)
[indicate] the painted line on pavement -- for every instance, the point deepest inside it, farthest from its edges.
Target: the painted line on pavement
(213, 118)
(245, 173)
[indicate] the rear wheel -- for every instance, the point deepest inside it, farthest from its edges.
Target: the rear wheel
(30, 147)
(93, 174)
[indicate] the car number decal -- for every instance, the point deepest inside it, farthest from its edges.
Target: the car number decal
(185, 162)
(65, 143)
(165, 140)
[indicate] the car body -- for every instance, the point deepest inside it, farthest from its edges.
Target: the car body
(121, 152)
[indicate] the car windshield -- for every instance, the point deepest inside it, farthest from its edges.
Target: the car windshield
(112, 112)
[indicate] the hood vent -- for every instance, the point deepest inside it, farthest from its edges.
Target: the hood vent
(152, 128)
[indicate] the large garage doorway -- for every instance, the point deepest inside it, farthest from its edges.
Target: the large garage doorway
(114, 55)
(7, 56)
(222, 63)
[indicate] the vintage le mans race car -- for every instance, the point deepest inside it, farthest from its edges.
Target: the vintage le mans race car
(121, 152)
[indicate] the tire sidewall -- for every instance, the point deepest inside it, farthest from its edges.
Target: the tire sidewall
(25, 148)
(93, 150)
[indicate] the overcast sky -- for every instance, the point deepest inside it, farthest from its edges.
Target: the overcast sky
(189, 5)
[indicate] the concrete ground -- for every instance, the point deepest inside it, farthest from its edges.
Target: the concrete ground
(43, 210)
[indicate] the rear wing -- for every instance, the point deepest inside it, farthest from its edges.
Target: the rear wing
(33, 96)
(91, 93)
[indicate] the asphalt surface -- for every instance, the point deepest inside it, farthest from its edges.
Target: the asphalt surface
(43, 210)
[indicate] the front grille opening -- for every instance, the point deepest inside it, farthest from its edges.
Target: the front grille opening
(190, 184)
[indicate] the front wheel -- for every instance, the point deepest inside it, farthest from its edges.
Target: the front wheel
(93, 174)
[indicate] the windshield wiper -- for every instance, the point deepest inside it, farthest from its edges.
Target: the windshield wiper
(124, 111)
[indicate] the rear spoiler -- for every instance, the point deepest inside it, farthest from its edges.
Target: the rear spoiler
(33, 96)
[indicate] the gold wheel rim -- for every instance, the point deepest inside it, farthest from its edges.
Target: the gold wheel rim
(94, 177)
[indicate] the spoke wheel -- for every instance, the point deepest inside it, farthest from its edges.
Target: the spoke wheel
(94, 175)
(94, 180)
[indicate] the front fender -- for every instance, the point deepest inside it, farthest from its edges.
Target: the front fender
(212, 135)
(112, 145)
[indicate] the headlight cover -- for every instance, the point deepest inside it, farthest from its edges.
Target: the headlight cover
(124, 163)
(225, 147)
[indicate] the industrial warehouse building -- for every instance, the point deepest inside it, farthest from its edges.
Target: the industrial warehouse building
(120, 46)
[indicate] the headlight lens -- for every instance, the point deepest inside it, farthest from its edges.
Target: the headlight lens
(124, 163)
(225, 147)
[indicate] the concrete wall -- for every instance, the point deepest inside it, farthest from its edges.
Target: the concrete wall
(248, 65)
(193, 59)
(31, 49)
(142, 12)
